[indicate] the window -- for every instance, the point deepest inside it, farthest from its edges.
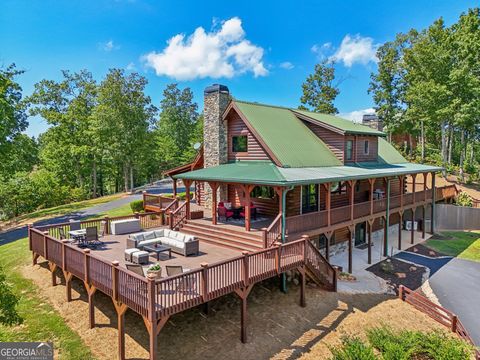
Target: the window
(338, 188)
(263, 192)
(366, 147)
(239, 143)
(309, 198)
(349, 150)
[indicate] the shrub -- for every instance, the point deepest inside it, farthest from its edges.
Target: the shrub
(353, 349)
(8, 303)
(136, 206)
(463, 199)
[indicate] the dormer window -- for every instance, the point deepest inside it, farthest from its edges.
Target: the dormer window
(239, 143)
(349, 150)
(366, 147)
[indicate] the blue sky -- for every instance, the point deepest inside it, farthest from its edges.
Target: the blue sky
(262, 50)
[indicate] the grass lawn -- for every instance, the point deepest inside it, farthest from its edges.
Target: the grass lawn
(461, 244)
(41, 321)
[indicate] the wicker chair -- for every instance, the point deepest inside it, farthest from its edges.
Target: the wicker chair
(137, 269)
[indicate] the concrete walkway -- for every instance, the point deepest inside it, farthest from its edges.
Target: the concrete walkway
(367, 282)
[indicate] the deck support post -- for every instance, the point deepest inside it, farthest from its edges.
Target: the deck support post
(400, 217)
(91, 306)
(412, 234)
(351, 229)
(387, 219)
(152, 317)
(243, 295)
(53, 267)
(121, 310)
(214, 187)
(328, 235)
(301, 271)
(351, 185)
(370, 225)
(68, 284)
(187, 184)
(370, 194)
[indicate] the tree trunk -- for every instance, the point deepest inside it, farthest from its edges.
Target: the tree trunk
(125, 177)
(94, 177)
(462, 154)
(423, 141)
(450, 145)
(131, 178)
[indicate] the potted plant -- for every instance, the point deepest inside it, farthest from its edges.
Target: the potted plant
(156, 270)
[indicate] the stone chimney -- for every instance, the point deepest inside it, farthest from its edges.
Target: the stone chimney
(373, 121)
(216, 99)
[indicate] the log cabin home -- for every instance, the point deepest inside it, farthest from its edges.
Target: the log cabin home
(298, 173)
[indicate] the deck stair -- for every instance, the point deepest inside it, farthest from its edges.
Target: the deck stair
(226, 237)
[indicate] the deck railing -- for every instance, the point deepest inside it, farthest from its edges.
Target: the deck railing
(184, 291)
(156, 201)
(178, 216)
(436, 312)
(305, 222)
(147, 220)
(273, 233)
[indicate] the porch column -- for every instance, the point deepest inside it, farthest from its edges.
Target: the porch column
(328, 202)
(414, 185)
(400, 217)
(425, 175)
(423, 221)
(387, 219)
(370, 225)
(187, 183)
(214, 187)
(351, 184)
(247, 189)
(174, 187)
(402, 190)
(279, 191)
(351, 229)
(412, 240)
(372, 184)
(434, 193)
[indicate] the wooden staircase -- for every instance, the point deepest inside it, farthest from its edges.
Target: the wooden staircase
(233, 239)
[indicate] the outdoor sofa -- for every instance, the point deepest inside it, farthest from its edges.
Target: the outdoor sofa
(179, 243)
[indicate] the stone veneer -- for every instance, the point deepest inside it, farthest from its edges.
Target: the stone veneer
(216, 99)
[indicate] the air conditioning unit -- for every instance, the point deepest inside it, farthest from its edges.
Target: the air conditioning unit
(408, 225)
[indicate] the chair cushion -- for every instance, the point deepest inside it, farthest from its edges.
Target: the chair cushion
(172, 242)
(148, 242)
(149, 235)
(137, 237)
(159, 233)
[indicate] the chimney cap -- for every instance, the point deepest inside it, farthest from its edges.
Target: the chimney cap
(216, 88)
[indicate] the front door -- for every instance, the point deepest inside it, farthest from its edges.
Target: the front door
(360, 234)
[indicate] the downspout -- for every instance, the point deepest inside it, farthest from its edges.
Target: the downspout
(283, 285)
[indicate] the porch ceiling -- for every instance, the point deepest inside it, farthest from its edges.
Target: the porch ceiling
(267, 173)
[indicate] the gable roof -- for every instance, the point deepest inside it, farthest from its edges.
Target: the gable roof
(332, 122)
(387, 154)
(285, 136)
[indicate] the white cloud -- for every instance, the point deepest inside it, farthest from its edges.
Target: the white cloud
(356, 49)
(357, 115)
(322, 50)
(287, 65)
(131, 66)
(223, 52)
(108, 46)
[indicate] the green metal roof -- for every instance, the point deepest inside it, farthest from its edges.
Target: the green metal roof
(344, 125)
(289, 139)
(387, 154)
(267, 173)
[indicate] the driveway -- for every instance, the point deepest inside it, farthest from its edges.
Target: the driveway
(156, 188)
(456, 284)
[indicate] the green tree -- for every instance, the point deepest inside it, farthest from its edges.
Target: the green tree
(122, 121)
(8, 303)
(178, 128)
(319, 90)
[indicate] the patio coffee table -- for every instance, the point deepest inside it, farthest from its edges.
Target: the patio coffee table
(157, 249)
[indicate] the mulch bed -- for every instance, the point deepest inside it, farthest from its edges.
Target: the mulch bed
(423, 250)
(399, 273)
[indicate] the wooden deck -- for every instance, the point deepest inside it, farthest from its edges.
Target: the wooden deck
(113, 248)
